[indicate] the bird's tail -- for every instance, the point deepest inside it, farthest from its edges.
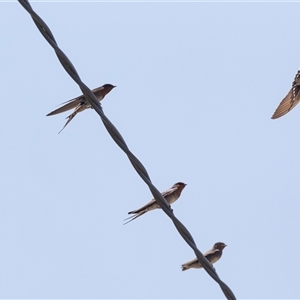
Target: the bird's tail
(134, 217)
(184, 267)
(70, 118)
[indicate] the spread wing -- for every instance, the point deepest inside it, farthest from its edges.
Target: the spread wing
(287, 104)
(290, 100)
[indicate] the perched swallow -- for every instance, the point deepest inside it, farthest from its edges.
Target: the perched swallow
(80, 103)
(212, 255)
(290, 100)
(171, 195)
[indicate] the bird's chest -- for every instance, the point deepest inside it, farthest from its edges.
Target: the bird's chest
(172, 198)
(215, 257)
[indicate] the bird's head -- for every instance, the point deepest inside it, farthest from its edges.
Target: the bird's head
(179, 185)
(107, 88)
(219, 246)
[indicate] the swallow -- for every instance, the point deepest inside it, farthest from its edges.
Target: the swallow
(171, 195)
(290, 100)
(212, 255)
(80, 103)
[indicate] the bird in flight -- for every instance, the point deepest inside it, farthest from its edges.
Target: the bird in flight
(80, 103)
(290, 100)
(212, 255)
(171, 195)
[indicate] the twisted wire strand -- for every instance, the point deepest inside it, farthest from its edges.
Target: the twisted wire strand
(116, 136)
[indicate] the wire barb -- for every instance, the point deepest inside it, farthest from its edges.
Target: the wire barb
(116, 136)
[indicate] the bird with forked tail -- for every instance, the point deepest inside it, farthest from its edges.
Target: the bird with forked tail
(171, 195)
(212, 255)
(80, 103)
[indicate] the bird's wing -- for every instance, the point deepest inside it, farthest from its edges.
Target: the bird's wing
(168, 191)
(192, 263)
(98, 91)
(287, 104)
(145, 207)
(69, 105)
(290, 100)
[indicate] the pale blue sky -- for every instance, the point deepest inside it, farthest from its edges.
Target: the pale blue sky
(197, 84)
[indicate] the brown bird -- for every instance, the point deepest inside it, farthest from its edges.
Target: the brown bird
(212, 255)
(80, 103)
(290, 100)
(171, 195)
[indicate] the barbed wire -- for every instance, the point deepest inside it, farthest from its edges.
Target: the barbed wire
(117, 137)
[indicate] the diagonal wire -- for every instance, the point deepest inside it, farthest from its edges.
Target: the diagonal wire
(116, 136)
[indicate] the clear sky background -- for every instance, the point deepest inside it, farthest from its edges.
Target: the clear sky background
(197, 84)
